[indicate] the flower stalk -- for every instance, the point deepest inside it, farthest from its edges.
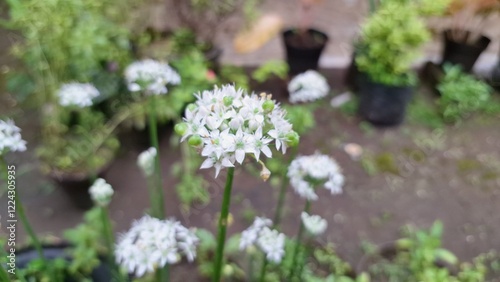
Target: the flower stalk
(158, 208)
(222, 226)
(299, 240)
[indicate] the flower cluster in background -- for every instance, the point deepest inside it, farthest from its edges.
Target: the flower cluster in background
(314, 224)
(10, 137)
(307, 87)
(77, 94)
(151, 77)
(270, 241)
(227, 123)
(101, 192)
(307, 172)
(146, 161)
(152, 243)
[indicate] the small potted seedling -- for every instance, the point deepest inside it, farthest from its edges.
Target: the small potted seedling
(304, 44)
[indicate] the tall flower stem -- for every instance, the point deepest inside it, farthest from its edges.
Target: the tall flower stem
(158, 207)
(222, 226)
(299, 240)
(4, 276)
(282, 194)
(372, 6)
(110, 242)
(19, 208)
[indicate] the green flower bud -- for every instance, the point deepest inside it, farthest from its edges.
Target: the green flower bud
(192, 106)
(292, 139)
(181, 128)
(228, 270)
(195, 140)
(228, 100)
(268, 106)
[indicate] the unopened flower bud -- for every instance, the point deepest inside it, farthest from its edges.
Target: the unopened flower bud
(268, 106)
(181, 128)
(195, 140)
(265, 173)
(228, 101)
(191, 107)
(292, 139)
(228, 270)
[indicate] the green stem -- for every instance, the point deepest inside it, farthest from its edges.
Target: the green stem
(4, 276)
(263, 270)
(110, 242)
(372, 6)
(282, 194)
(299, 240)
(157, 206)
(19, 208)
(221, 238)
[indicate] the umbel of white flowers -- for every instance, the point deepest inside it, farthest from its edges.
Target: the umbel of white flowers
(10, 138)
(146, 161)
(226, 124)
(307, 87)
(152, 243)
(270, 241)
(307, 172)
(101, 192)
(150, 77)
(77, 94)
(314, 224)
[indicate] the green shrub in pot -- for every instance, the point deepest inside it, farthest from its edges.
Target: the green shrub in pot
(392, 37)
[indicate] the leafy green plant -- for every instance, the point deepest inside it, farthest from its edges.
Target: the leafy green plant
(391, 39)
(78, 143)
(461, 94)
(68, 40)
(269, 69)
(420, 257)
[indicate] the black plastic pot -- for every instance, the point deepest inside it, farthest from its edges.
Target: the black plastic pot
(495, 77)
(303, 56)
(382, 105)
(101, 273)
(460, 53)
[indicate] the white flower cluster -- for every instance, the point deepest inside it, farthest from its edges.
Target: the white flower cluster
(307, 87)
(146, 161)
(150, 76)
(77, 94)
(314, 223)
(101, 192)
(151, 243)
(270, 241)
(10, 137)
(227, 123)
(306, 172)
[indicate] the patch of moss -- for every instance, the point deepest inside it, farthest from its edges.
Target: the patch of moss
(465, 165)
(380, 163)
(415, 154)
(490, 175)
(386, 163)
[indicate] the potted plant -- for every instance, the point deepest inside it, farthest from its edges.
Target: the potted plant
(464, 42)
(77, 142)
(304, 45)
(390, 42)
